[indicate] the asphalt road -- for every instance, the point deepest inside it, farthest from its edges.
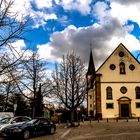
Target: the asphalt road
(103, 130)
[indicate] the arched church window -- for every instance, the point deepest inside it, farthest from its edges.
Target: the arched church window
(108, 93)
(137, 90)
(122, 68)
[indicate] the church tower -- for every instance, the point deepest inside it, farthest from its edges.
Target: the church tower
(91, 67)
(90, 76)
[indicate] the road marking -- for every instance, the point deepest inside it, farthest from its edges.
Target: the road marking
(62, 136)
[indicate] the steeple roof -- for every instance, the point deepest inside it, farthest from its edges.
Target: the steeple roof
(91, 67)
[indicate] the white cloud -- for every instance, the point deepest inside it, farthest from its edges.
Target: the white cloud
(43, 3)
(19, 49)
(125, 2)
(105, 38)
(128, 40)
(40, 18)
(44, 52)
(126, 12)
(81, 5)
(15, 49)
(22, 8)
(100, 10)
(49, 73)
(104, 35)
(19, 45)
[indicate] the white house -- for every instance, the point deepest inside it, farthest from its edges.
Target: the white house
(114, 89)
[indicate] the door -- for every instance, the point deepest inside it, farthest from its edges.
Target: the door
(124, 110)
(124, 107)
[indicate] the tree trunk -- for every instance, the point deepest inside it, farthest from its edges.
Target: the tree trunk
(72, 118)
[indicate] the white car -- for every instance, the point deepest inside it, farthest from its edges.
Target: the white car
(6, 114)
(7, 121)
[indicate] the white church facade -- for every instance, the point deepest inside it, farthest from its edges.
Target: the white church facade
(114, 89)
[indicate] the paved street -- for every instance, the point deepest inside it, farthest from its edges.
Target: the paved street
(103, 130)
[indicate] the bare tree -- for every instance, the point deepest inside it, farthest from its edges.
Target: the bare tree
(31, 80)
(7, 84)
(69, 83)
(11, 29)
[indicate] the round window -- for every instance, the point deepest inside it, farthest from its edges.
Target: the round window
(131, 67)
(121, 54)
(112, 67)
(123, 90)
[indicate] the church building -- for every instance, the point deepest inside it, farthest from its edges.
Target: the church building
(113, 90)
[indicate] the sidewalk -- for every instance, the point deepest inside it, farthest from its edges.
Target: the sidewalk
(105, 130)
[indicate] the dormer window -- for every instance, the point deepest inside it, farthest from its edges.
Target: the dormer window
(122, 68)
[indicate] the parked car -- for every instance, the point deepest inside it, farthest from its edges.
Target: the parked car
(6, 114)
(29, 129)
(7, 121)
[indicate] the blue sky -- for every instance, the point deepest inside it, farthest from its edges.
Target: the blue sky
(62, 25)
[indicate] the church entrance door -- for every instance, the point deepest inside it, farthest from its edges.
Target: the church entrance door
(124, 110)
(124, 107)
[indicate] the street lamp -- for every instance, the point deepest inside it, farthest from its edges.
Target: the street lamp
(15, 107)
(78, 110)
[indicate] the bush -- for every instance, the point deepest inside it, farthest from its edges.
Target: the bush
(55, 119)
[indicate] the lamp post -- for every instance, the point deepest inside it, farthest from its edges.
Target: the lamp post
(15, 107)
(78, 110)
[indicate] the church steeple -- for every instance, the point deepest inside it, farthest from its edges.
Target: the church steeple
(91, 67)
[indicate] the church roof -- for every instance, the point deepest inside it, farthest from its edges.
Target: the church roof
(91, 66)
(119, 46)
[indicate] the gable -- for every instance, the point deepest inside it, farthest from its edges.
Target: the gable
(110, 69)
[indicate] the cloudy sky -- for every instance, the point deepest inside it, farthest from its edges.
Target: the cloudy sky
(62, 25)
